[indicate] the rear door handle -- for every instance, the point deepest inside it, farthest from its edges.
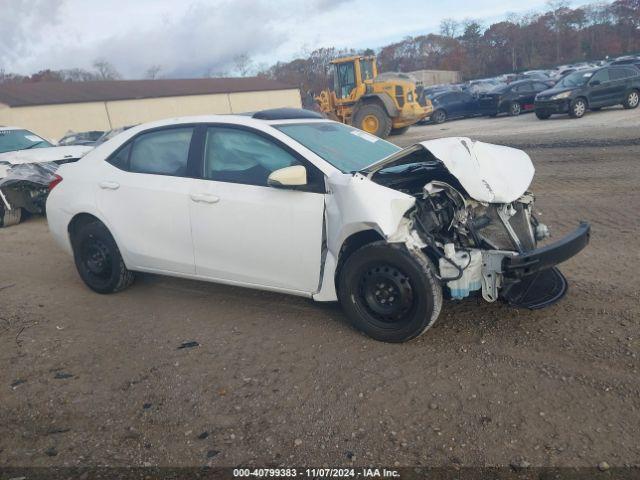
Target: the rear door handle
(204, 198)
(109, 185)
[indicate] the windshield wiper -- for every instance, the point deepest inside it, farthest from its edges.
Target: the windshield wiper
(33, 145)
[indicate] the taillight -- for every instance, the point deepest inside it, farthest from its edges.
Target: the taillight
(53, 183)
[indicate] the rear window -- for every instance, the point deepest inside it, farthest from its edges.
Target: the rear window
(621, 73)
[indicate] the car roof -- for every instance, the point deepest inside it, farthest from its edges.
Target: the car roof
(246, 119)
(520, 82)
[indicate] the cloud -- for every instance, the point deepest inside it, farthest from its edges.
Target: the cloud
(190, 38)
(185, 39)
(23, 22)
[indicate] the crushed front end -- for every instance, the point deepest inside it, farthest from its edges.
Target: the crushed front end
(486, 243)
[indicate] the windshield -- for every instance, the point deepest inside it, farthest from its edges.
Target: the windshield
(346, 148)
(575, 79)
(12, 140)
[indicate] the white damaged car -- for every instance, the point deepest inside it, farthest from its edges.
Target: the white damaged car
(27, 163)
(287, 201)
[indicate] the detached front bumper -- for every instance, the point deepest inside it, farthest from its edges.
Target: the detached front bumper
(531, 280)
(544, 258)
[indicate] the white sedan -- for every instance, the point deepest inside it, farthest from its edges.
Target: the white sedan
(288, 201)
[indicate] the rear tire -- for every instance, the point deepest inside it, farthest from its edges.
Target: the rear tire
(9, 217)
(389, 293)
(98, 259)
(631, 100)
(514, 109)
(373, 119)
(439, 116)
(399, 131)
(578, 108)
(543, 115)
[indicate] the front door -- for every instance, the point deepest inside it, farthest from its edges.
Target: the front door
(247, 232)
(144, 198)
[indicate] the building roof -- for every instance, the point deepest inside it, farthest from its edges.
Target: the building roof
(50, 93)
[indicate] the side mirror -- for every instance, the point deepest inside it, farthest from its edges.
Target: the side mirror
(295, 176)
(595, 83)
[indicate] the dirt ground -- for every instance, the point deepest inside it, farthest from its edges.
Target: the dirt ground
(88, 379)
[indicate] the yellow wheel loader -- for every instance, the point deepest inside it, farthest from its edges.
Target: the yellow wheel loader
(378, 104)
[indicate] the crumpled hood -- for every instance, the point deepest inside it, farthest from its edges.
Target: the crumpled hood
(489, 173)
(47, 154)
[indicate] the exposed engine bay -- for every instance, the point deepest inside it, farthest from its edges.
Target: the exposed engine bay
(473, 242)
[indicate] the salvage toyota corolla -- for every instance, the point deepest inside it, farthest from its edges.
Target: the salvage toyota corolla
(285, 200)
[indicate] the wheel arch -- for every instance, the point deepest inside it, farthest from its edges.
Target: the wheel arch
(352, 243)
(381, 99)
(84, 218)
(583, 97)
(79, 220)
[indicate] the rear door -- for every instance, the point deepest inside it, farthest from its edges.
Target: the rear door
(600, 89)
(617, 85)
(620, 80)
(247, 232)
(144, 198)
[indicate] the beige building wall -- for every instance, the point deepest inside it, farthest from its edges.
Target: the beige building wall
(252, 101)
(53, 121)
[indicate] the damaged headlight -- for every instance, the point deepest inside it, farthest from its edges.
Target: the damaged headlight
(562, 95)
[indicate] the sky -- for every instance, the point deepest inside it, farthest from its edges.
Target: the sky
(188, 38)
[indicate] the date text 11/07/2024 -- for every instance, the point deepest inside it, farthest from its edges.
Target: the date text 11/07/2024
(316, 472)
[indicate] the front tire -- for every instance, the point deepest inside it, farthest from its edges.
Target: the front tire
(514, 109)
(98, 259)
(373, 119)
(9, 217)
(578, 108)
(439, 116)
(631, 100)
(389, 293)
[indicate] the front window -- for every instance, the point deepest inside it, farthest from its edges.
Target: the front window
(12, 140)
(575, 79)
(346, 148)
(239, 156)
(345, 79)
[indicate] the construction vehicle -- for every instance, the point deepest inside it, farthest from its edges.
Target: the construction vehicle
(378, 104)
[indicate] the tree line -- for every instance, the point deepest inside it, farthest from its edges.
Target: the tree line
(546, 39)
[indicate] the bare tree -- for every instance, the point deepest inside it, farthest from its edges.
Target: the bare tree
(449, 27)
(153, 72)
(242, 65)
(105, 71)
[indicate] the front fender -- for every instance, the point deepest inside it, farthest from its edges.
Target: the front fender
(356, 203)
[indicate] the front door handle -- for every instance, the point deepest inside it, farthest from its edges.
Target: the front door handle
(204, 198)
(109, 185)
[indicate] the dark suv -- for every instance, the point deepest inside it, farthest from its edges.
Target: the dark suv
(513, 98)
(591, 89)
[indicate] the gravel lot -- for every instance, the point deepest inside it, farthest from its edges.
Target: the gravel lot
(89, 379)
